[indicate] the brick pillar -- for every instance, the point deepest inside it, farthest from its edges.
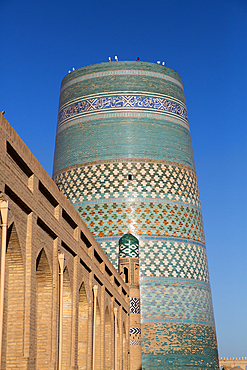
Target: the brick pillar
(129, 270)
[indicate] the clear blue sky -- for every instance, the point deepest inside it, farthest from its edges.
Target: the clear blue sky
(205, 41)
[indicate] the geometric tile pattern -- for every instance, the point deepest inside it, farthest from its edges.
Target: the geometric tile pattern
(176, 300)
(130, 170)
(135, 342)
(135, 330)
(135, 305)
(167, 258)
(174, 259)
(135, 336)
(150, 180)
(120, 102)
(173, 346)
(158, 219)
(128, 246)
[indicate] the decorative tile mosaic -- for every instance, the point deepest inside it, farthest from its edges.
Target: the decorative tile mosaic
(135, 342)
(109, 204)
(158, 219)
(135, 336)
(135, 305)
(135, 330)
(121, 76)
(176, 300)
(122, 102)
(128, 246)
(124, 159)
(111, 181)
(111, 249)
(173, 259)
(165, 258)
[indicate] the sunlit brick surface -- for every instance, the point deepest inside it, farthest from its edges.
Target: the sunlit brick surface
(42, 224)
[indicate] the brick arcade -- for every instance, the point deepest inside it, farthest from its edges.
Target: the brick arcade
(43, 226)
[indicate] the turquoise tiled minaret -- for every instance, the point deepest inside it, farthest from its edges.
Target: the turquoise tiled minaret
(124, 159)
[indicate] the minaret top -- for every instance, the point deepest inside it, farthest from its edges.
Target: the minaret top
(128, 246)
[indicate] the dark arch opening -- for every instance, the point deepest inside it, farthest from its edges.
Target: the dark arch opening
(126, 275)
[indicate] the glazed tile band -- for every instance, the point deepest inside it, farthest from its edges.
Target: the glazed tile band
(122, 102)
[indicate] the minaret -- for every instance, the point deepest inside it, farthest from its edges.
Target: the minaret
(124, 159)
(128, 267)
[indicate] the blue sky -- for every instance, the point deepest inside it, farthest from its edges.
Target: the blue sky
(206, 43)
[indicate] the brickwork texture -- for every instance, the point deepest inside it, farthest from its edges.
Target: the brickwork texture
(42, 224)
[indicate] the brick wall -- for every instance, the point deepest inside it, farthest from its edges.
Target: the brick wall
(41, 225)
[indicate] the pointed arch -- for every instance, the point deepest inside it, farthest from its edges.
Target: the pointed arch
(13, 301)
(67, 320)
(43, 311)
(108, 340)
(82, 328)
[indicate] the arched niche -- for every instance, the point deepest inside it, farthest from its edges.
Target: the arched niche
(82, 328)
(98, 338)
(14, 298)
(67, 320)
(108, 340)
(43, 311)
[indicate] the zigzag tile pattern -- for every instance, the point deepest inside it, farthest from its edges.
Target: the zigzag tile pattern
(135, 336)
(135, 342)
(135, 330)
